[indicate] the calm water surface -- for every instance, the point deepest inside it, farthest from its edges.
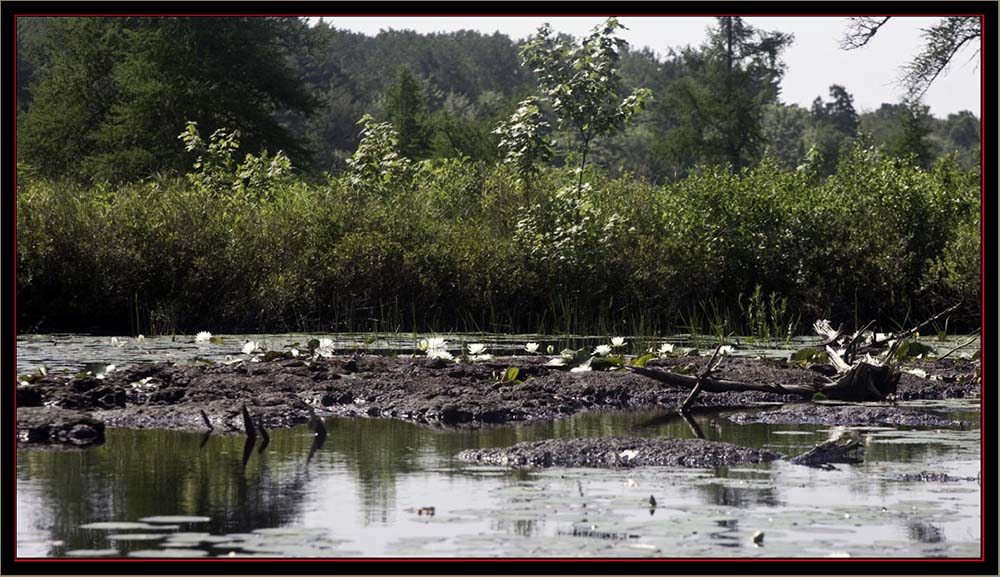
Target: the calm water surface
(368, 490)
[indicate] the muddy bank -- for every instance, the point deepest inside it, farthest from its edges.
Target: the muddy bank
(54, 426)
(286, 392)
(612, 453)
(845, 415)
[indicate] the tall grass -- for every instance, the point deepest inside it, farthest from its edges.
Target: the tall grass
(468, 247)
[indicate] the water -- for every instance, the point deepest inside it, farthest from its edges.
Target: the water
(368, 489)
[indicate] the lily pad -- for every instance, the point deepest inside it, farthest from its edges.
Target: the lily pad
(92, 553)
(176, 519)
(121, 526)
(136, 536)
(179, 553)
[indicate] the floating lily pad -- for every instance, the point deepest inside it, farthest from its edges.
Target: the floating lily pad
(176, 519)
(122, 526)
(180, 553)
(92, 553)
(136, 536)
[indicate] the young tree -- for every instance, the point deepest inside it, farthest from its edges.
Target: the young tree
(582, 83)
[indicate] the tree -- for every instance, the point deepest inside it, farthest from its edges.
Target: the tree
(910, 138)
(523, 138)
(582, 83)
(942, 42)
(713, 112)
(115, 92)
(832, 125)
(406, 108)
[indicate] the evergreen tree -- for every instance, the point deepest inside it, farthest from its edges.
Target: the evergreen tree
(406, 108)
(116, 91)
(713, 113)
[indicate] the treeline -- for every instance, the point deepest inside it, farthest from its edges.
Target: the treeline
(247, 174)
(101, 99)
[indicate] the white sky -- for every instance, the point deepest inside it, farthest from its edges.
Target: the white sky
(814, 61)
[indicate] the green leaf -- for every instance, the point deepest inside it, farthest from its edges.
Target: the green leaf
(510, 375)
(811, 355)
(641, 361)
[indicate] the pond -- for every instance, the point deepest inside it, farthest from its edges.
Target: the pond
(382, 487)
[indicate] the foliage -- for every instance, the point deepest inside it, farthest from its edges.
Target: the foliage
(107, 104)
(377, 163)
(713, 111)
(216, 170)
(406, 108)
(582, 83)
(523, 138)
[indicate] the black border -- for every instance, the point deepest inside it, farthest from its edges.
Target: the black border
(986, 565)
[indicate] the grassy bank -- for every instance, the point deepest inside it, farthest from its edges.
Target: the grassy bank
(463, 246)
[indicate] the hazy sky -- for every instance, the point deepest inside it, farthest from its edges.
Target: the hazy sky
(815, 60)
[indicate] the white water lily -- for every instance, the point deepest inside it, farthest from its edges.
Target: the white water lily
(295, 352)
(116, 342)
(325, 348)
(436, 348)
(725, 349)
(556, 362)
(101, 374)
(140, 339)
(476, 348)
(602, 350)
(618, 341)
(250, 347)
(583, 367)
(203, 337)
(486, 357)
(531, 347)
(665, 348)
(440, 354)
(628, 455)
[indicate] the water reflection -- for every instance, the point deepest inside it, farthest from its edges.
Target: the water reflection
(360, 479)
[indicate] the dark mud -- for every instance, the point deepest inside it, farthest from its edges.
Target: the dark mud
(845, 415)
(61, 427)
(617, 453)
(286, 392)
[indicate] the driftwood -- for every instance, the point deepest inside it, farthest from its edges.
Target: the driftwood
(866, 379)
(864, 382)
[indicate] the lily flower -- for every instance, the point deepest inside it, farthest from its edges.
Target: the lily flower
(115, 342)
(665, 348)
(203, 337)
(531, 347)
(602, 350)
(250, 347)
(476, 348)
(325, 348)
(440, 354)
(618, 342)
(725, 349)
(140, 339)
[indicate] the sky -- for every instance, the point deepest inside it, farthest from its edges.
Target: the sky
(814, 61)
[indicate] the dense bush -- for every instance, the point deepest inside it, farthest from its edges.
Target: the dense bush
(463, 245)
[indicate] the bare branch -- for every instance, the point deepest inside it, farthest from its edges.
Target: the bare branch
(944, 40)
(861, 29)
